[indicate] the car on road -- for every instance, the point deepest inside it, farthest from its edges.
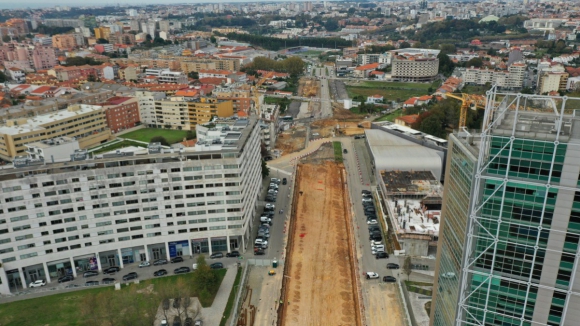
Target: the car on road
(177, 260)
(366, 199)
(216, 266)
(216, 255)
(144, 264)
(268, 158)
(365, 192)
(381, 255)
(130, 276)
(90, 273)
(344, 151)
(160, 272)
(270, 199)
(373, 228)
(234, 253)
(389, 279)
(376, 237)
(275, 180)
(111, 270)
(269, 207)
(198, 323)
(376, 243)
(284, 181)
(371, 275)
(160, 262)
(108, 280)
(392, 266)
(91, 283)
(66, 278)
(259, 252)
(37, 284)
(372, 222)
(182, 270)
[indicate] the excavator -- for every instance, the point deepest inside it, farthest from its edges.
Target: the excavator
(471, 101)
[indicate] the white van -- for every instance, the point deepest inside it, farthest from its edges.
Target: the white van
(265, 219)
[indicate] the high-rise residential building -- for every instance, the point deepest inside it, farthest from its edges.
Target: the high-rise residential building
(103, 32)
(92, 212)
(509, 242)
(416, 67)
(27, 56)
(64, 41)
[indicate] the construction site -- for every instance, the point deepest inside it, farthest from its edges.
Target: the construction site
(320, 287)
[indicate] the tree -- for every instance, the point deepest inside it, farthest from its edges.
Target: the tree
(447, 48)
(2, 77)
(407, 267)
(91, 78)
(404, 45)
(193, 74)
(190, 135)
(331, 25)
(265, 169)
(160, 139)
(148, 38)
(213, 39)
(474, 62)
(446, 66)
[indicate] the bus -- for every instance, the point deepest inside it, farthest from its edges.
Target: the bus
(437, 141)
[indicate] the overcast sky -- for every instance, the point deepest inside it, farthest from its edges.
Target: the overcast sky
(11, 4)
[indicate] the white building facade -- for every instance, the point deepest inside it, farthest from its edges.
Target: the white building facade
(118, 209)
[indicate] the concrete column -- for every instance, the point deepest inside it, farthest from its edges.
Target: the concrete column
(209, 245)
(147, 253)
(22, 278)
(4, 287)
(99, 268)
(167, 250)
(46, 274)
(228, 242)
(120, 257)
(73, 267)
(243, 247)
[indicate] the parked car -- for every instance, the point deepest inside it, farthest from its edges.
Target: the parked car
(176, 302)
(344, 151)
(177, 260)
(392, 266)
(216, 255)
(160, 262)
(275, 180)
(160, 272)
(216, 266)
(176, 321)
(144, 264)
(108, 280)
(66, 278)
(389, 279)
(376, 237)
(91, 283)
(365, 199)
(130, 276)
(448, 275)
(270, 199)
(111, 270)
(259, 252)
(372, 222)
(198, 323)
(182, 270)
(365, 192)
(234, 253)
(284, 181)
(269, 207)
(381, 255)
(37, 284)
(372, 275)
(90, 273)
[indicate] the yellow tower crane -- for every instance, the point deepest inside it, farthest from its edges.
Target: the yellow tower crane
(471, 101)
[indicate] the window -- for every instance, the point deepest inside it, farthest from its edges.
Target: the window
(99, 224)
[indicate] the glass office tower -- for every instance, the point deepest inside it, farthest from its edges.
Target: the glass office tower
(508, 247)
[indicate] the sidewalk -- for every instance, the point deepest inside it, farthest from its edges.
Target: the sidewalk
(212, 315)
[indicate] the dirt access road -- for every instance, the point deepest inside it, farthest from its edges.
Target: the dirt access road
(320, 288)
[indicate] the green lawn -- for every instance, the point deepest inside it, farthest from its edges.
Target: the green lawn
(312, 53)
(337, 151)
(172, 136)
(391, 116)
(474, 89)
(64, 309)
(121, 144)
(231, 298)
(391, 91)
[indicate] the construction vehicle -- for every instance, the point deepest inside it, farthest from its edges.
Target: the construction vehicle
(471, 101)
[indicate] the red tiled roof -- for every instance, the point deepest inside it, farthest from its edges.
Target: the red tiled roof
(409, 119)
(368, 67)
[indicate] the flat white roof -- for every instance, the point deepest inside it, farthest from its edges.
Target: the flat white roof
(36, 123)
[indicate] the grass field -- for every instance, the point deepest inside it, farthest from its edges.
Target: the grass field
(311, 53)
(473, 89)
(391, 91)
(65, 308)
(172, 136)
(337, 151)
(391, 116)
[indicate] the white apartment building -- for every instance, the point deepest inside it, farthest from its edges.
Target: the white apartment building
(122, 208)
(365, 59)
(513, 78)
(147, 106)
(414, 68)
(164, 75)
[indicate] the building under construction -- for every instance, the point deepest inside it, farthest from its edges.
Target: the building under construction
(412, 200)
